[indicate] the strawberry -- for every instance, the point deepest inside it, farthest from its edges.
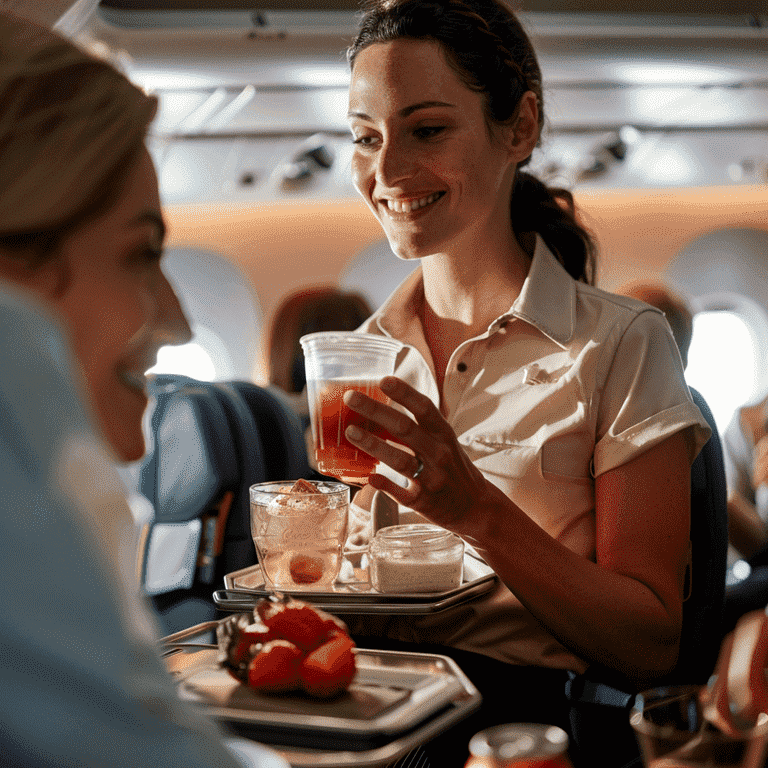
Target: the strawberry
(331, 626)
(296, 621)
(246, 646)
(328, 670)
(305, 569)
(275, 668)
(239, 638)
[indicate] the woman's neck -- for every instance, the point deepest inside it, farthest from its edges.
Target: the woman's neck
(473, 289)
(464, 294)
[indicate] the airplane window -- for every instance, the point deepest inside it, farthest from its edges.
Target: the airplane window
(721, 362)
(189, 359)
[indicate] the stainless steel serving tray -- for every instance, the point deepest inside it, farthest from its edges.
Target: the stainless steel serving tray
(243, 588)
(397, 701)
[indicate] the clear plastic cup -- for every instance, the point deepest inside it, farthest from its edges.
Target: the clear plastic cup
(299, 537)
(336, 362)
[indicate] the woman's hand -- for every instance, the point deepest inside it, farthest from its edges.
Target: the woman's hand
(444, 484)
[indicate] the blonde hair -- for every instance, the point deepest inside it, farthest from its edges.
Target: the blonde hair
(70, 127)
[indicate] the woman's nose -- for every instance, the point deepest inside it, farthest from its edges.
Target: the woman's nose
(394, 163)
(172, 327)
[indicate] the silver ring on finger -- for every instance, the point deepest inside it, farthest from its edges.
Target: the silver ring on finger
(418, 471)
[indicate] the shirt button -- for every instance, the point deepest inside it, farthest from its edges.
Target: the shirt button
(461, 367)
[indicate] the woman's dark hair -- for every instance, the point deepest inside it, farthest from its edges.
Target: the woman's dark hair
(490, 51)
(309, 311)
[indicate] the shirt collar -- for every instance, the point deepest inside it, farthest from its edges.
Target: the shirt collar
(547, 301)
(548, 298)
(399, 316)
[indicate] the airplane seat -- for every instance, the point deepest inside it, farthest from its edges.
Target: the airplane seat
(288, 454)
(208, 447)
(600, 699)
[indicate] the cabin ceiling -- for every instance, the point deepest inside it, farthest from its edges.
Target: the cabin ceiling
(651, 93)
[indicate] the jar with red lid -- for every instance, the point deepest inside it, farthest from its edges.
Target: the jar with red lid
(519, 745)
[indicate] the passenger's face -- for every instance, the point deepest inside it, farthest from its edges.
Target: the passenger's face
(424, 159)
(118, 306)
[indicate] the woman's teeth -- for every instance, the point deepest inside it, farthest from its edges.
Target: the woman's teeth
(406, 206)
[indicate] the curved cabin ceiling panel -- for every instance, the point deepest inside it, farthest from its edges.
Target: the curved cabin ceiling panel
(635, 98)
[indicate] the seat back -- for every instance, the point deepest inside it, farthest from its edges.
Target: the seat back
(703, 610)
(209, 445)
(287, 457)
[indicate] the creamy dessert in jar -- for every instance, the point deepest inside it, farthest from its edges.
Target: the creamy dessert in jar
(415, 558)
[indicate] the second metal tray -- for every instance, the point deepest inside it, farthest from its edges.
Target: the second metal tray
(397, 701)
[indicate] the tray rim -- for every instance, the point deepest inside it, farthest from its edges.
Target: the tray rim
(465, 700)
(477, 588)
(358, 598)
(387, 724)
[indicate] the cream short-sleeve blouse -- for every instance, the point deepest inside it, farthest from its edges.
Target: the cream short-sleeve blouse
(569, 383)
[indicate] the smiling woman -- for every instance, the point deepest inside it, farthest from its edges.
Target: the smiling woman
(536, 411)
(81, 226)
(82, 302)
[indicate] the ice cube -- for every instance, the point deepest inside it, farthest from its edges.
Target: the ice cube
(304, 486)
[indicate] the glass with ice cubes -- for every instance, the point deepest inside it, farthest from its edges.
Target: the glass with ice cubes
(299, 529)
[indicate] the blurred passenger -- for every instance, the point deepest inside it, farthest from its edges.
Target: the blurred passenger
(746, 460)
(309, 310)
(84, 307)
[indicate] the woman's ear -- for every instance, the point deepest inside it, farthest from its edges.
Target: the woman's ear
(523, 134)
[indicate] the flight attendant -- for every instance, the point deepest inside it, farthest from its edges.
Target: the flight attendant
(545, 421)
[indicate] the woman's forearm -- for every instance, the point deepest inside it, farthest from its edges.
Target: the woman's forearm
(625, 611)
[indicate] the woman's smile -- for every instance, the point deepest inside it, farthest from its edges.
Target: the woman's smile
(432, 171)
(410, 205)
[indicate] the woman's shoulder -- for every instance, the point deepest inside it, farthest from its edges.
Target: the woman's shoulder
(611, 311)
(622, 305)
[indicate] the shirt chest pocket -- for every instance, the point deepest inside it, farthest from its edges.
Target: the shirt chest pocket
(559, 458)
(552, 483)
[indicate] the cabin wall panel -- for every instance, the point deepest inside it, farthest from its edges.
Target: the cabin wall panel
(283, 247)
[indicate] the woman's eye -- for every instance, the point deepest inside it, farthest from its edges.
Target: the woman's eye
(363, 141)
(428, 131)
(146, 256)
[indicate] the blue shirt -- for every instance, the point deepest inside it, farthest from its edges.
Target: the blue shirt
(81, 683)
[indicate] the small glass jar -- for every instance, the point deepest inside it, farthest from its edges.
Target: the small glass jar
(419, 557)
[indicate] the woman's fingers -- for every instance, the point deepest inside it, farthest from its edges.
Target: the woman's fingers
(402, 462)
(423, 409)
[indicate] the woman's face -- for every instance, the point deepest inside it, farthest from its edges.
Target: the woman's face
(424, 158)
(119, 309)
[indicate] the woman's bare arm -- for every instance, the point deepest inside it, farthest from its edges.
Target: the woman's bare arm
(625, 610)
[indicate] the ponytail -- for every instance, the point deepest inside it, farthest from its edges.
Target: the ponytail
(550, 211)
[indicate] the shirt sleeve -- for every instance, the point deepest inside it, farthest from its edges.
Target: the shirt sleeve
(644, 398)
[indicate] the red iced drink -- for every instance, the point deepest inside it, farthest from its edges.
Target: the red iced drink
(335, 455)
